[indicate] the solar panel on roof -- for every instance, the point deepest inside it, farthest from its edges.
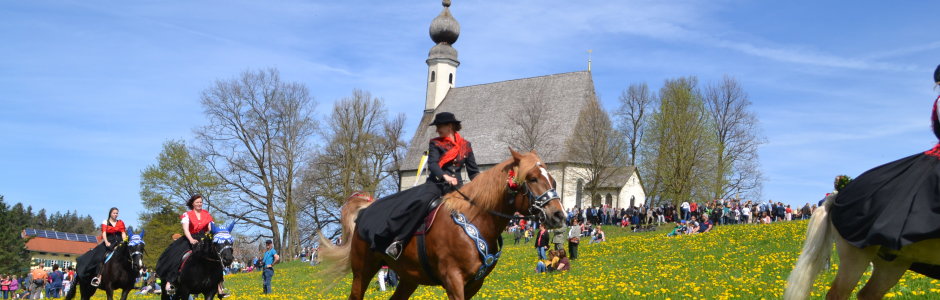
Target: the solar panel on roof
(68, 236)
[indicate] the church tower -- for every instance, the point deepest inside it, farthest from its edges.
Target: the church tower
(442, 59)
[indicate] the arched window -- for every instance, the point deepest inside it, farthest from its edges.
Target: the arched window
(610, 200)
(432, 76)
(632, 201)
(577, 196)
(596, 201)
(450, 78)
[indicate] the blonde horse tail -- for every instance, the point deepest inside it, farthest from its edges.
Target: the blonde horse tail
(336, 258)
(820, 235)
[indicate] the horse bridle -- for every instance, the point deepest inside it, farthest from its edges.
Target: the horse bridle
(537, 204)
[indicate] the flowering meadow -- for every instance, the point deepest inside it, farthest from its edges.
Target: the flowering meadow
(731, 262)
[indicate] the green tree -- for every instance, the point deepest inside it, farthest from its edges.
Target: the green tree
(678, 149)
(164, 189)
(159, 226)
(12, 246)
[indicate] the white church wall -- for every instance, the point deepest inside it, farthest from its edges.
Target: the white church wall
(632, 189)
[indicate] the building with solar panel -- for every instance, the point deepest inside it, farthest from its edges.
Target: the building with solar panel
(49, 247)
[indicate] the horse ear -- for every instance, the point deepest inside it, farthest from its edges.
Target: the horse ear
(142, 233)
(516, 157)
(230, 226)
(130, 230)
(213, 228)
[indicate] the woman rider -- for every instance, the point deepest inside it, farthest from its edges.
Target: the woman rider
(112, 233)
(390, 221)
(895, 204)
(195, 223)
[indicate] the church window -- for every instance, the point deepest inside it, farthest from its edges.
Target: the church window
(432, 76)
(450, 78)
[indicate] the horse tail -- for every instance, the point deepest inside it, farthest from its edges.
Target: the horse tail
(820, 235)
(336, 258)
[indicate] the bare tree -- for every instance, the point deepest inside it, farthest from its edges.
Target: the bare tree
(362, 151)
(595, 146)
(631, 117)
(530, 128)
(256, 141)
(735, 131)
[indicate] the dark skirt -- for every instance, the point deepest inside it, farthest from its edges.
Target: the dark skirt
(396, 216)
(88, 264)
(168, 265)
(893, 205)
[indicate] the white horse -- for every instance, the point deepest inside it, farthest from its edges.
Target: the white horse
(853, 261)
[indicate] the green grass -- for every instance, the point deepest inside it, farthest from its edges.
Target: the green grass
(739, 261)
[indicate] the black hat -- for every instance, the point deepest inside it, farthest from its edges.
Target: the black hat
(268, 242)
(936, 75)
(444, 118)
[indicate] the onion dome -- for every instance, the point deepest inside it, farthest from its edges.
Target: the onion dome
(444, 28)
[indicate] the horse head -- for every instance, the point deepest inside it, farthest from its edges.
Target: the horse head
(536, 188)
(222, 242)
(135, 246)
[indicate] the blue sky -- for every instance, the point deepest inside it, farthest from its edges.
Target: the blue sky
(89, 90)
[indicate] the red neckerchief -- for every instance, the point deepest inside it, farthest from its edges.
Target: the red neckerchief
(454, 147)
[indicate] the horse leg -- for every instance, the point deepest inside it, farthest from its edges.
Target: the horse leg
(404, 290)
(125, 292)
(364, 266)
(472, 288)
(110, 293)
(884, 276)
(87, 290)
(454, 284)
(852, 263)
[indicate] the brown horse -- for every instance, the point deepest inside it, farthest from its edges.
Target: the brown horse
(453, 257)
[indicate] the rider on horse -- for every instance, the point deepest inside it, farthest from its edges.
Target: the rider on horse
(196, 223)
(112, 233)
(390, 221)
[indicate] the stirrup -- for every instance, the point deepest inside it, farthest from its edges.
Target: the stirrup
(394, 250)
(170, 289)
(95, 281)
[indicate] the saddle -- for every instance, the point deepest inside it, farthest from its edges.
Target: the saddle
(185, 259)
(433, 207)
(422, 232)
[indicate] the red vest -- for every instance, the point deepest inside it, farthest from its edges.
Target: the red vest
(198, 225)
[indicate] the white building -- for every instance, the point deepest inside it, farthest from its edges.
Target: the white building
(487, 112)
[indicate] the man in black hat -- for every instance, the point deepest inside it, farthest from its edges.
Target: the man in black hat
(270, 259)
(389, 222)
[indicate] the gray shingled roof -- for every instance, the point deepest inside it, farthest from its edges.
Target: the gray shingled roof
(484, 109)
(618, 179)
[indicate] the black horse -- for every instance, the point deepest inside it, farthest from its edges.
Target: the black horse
(202, 271)
(120, 271)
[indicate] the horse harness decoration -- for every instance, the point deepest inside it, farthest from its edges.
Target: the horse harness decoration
(482, 247)
(536, 206)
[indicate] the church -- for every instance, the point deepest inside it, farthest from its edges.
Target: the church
(487, 112)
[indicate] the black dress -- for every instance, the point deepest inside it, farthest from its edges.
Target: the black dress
(168, 265)
(895, 204)
(397, 216)
(90, 262)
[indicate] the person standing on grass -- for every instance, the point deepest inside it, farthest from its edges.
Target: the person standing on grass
(541, 241)
(574, 237)
(558, 238)
(38, 282)
(270, 259)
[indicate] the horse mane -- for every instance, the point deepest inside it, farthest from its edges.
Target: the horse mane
(485, 191)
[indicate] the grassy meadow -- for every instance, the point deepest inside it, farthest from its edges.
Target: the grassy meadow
(732, 262)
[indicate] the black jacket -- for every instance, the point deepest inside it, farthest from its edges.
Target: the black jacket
(541, 239)
(453, 167)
